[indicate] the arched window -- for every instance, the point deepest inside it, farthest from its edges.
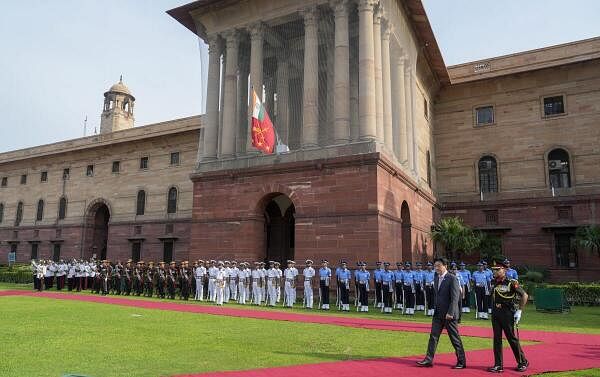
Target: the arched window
(19, 216)
(140, 208)
(39, 214)
(1, 212)
(559, 169)
(172, 200)
(488, 174)
(62, 208)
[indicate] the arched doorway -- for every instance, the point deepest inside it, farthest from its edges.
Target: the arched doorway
(97, 220)
(406, 233)
(279, 228)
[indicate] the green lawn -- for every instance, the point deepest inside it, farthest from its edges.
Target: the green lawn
(581, 373)
(46, 337)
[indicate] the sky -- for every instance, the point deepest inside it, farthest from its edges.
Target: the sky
(58, 57)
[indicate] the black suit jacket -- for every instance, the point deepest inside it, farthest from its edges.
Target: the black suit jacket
(447, 297)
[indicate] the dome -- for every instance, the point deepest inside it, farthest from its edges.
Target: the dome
(120, 87)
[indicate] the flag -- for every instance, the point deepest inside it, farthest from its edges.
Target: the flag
(263, 133)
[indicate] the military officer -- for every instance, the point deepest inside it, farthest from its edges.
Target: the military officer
(511, 273)
(377, 284)
(212, 275)
(272, 278)
(220, 283)
(278, 281)
(419, 287)
(233, 280)
(408, 282)
(309, 275)
(199, 274)
(256, 281)
(324, 280)
(466, 279)
(242, 283)
(387, 288)
(161, 279)
(343, 281)
(481, 281)
(508, 300)
(363, 277)
(428, 276)
(127, 274)
(227, 272)
(172, 280)
(290, 275)
(398, 276)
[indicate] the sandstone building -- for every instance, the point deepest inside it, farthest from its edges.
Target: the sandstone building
(384, 139)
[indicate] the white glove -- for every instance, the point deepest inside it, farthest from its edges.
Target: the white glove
(517, 316)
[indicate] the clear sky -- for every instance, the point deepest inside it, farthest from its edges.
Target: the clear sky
(58, 57)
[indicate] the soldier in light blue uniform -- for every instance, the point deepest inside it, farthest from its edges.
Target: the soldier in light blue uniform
(362, 277)
(419, 287)
(324, 280)
(356, 290)
(482, 282)
(344, 276)
(466, 278)
(428, 276)
(377, 281)
(408, 285)
(511, 273)
(488, 298)
(398, 277)
(387, 288)
(337, 284)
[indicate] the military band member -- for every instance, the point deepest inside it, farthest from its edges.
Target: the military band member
(290, 274)
(398, 279)
(481, 281)
(343, 281)
(408, 282)
(161, 280)
(171, 280)
(324, 280)
(387, 288)
(116, 278)
(105, 273)
(49, 276)
(363, 277)
(193, 279)
(309, 276)
(212, 276)
(508, 300)
(256, 282)
(61, 271)
(263, 281)
(199, 275)
(71, 276)
(41, 274)
(466, 279)
(377, 284)
(428, 277)
(220, 283)
(419, 287)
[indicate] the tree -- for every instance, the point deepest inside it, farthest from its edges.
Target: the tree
(490, 246)
(588, 237)
(456, 237)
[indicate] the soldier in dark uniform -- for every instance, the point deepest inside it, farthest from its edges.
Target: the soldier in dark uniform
(161, 278)
(116, 278)
(126, 278)
(105, 277)
(138, 280)
(184, 281)
(508, 299)
(149, 280)
(171, 280)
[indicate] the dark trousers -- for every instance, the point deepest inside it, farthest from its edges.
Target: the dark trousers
(503, 320)
(324, 293)
(399, 293)
(363, 295)
(466, 302)
(377, 293)
(387, 295)
(70, 283)
(437, 325)
(344, 294)
(409, 297)
(429, 296)
(36, 283)
(481, 301)
(420, 297)
(60, 282)
(48, 281)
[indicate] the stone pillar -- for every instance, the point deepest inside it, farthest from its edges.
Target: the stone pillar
(412, 125)
(366, 71)
(310, 99)
(283, 95)
(212, 99)
(256, 75)
(400, 102)
(378, 73)
(409, 113)
(341, 104)
(230, 95)
(242, 106)
(387, 87)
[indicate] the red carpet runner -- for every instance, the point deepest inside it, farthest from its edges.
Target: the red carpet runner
(557, 351)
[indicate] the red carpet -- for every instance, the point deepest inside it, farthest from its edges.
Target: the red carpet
(558, 351)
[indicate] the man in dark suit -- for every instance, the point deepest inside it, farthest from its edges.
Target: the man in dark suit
(447, 298)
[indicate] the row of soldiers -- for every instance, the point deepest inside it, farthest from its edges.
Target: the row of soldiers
(404, 288)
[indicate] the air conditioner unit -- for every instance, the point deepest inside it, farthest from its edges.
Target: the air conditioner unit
(555, 164)
(485, 165)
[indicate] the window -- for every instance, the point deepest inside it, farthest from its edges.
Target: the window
(62, 208)
(13, 247)
(24, 179)
(1, 212)
(44, 176)
(566, 255)
(39, 214)
(19, 216)
(34, 250)
(89, 171)
(144, 163)
(36, 233)
(15, 234)
(172, 200)
(488, 175)
(484, 115)
(174, 158)
(558, 169)
(137, 230)
(4, 182)
(141, 203)
(66, 174)
(564, 213)
(116, 166)
(167, 251)
(136, 251)
(428, 169)
(491, 217)
(169, 228)
(425, 108)
(56, 252)
(554, 105)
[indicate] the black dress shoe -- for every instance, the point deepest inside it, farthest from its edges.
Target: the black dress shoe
(523, 366)
(460, 366)
(425, 363)
(496, 369)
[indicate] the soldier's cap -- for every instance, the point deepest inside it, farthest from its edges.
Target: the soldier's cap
(291, 262)
(363, 264)
(407, 264)
(484, 262)
(496, 264)
(452, 264)
(343, 262)
(234, 262)
(151, 262)
(429, 264)
(324, 261)
(161, 262)
(173, 262)
(386, 263)
(308, 261)
(479, 264)
(256, 263)
(277, 263)
(398, 263)
(221, 263)
(506, 261)
(378, 263)
(213, 261)
(462, 264)
(226, 262)
(418, 264)
(129, 260)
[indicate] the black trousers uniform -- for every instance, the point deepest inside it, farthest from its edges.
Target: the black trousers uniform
(324, 292)
(481, 301)
(344, 294)
(429, 296)
(466, 302)
(387, 294)
(409, 296)
(419, 294)
(377, 293)
(399, 293)
(363, 295)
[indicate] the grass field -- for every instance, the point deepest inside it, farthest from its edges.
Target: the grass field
(108, 340)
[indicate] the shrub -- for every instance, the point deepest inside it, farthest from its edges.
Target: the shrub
(579, 293)
(21, 277)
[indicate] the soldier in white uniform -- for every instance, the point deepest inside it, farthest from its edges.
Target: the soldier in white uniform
(233, 277)
(256, 284)
(290, 274)
(212, 276)
(49, 276)
(226, 271)
(242, 283)
(263, 283)
(220, 283)
(199, 275)
(272, 277)
(309, 275)
(60, 275)
(248, 275)
(41, 274)
(278, 280)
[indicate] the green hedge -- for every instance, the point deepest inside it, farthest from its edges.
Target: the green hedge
(576, 293)
(21, 277)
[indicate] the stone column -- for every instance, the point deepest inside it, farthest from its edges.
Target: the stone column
(366, 71)
(409, 113)
(341, 104)
(387, 87)
(256, 75)
(230, 95)
(378, 73)
(242, 106)
(400, 102)
(310, 99)
(283, 95)
(212, 99)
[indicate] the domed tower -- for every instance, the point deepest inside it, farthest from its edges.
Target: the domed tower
(118, 109)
